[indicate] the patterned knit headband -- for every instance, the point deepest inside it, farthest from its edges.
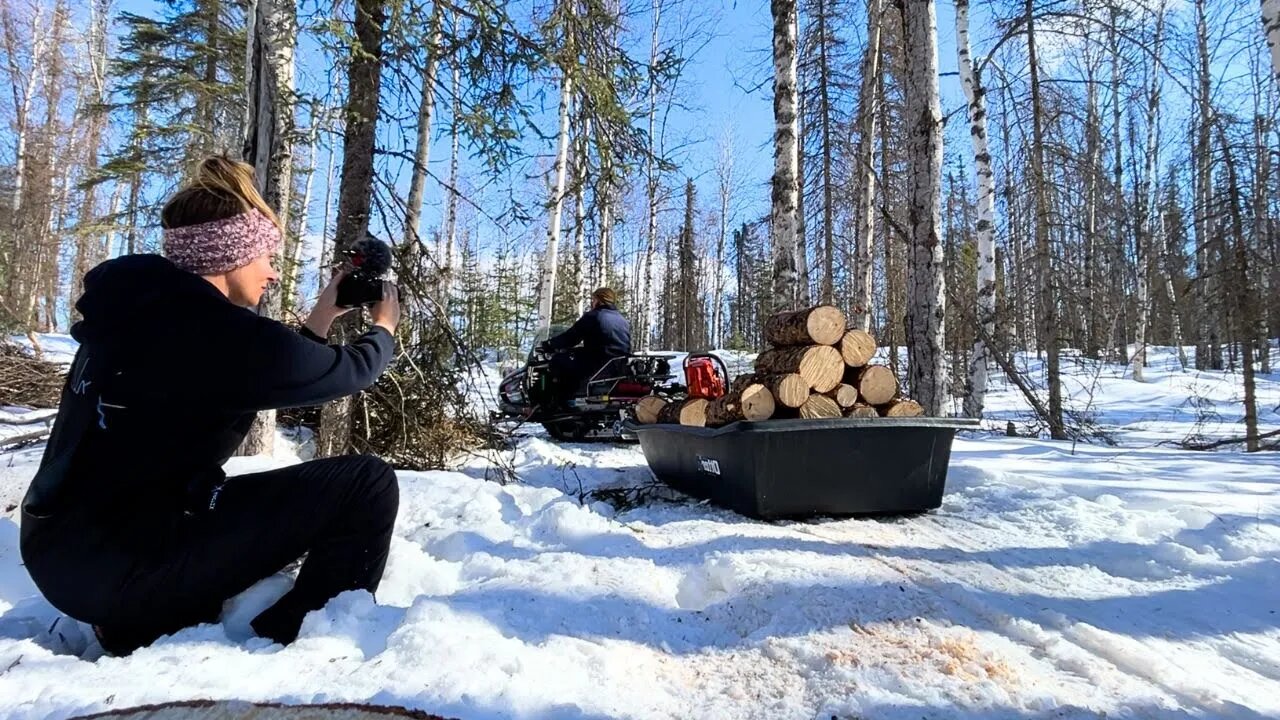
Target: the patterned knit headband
(221, 246)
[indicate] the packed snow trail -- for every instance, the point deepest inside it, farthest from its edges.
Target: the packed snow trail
(1133, 581)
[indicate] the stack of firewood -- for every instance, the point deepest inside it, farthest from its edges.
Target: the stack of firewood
(816, 368)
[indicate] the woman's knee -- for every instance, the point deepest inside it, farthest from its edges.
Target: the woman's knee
(380, 482)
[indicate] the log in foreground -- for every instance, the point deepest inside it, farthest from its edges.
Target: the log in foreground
(862, 411)
(753, 402)
(857, 348)
(693, 412)
(876, 384)
(902, 408)
(821, 325)
(819, 406)
(647, 409)
(844, 394)
(821, 366)
(789, 390)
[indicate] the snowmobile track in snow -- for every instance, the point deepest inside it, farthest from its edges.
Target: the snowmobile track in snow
(1067, 643)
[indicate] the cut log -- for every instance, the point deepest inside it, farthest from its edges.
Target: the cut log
(857, 347)
(757, 403)
(902, 408)
(876, 384)
(821, 365)
(754, 402)
(693, 412)
(844, 394)
(789, 390)
(647, 409)
(821, 325)
(819, 406)
(861, 411)
(670, 413)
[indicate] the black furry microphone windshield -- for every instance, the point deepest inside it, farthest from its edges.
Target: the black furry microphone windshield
(371, 256)
(370, 260)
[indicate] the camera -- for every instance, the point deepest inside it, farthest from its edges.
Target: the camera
(370, 260)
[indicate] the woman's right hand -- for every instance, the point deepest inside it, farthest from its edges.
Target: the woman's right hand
(326, 309)
(386, 312)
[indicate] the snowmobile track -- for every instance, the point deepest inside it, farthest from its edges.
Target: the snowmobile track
(1058, 640)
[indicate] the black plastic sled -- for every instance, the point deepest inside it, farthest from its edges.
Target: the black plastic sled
(805, 468)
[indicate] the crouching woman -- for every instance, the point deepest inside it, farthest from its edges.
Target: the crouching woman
(130, 524)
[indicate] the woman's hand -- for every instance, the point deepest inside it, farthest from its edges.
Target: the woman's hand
(386, 313)
(326, 309)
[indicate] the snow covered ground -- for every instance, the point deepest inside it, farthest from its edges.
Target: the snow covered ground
(1057, 581)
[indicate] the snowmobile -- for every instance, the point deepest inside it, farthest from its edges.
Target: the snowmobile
(599, 406)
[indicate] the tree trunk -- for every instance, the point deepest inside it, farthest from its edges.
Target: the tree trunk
(22, 104)
(1246, 328)
(1147, 193)
(1208, 355)
(321, 277)
(96, 119)
(295, 238)
(1057, 429)
(1271, 28)
(892, 276)
(450, 235)
(547, 294)
(926, 304)
(986, 298)
(1166, 263)
(1119, 215)
(269, 147)
(724, 176)
(865, 187)
(804, 283)
(580, 171)
(827, 294)
(782, 217)
(422, 149)
(364, 81)
(651, 191)
(1093, 305)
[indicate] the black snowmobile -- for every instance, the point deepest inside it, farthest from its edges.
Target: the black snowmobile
(600, 404)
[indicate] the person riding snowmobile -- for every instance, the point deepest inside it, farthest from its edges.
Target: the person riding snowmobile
(603, 334)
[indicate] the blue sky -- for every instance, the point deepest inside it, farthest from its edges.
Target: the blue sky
(718, 87)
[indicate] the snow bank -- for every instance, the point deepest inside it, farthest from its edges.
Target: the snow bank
(1055, 581)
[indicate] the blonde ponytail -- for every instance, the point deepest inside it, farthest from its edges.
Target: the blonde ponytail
(222, 188)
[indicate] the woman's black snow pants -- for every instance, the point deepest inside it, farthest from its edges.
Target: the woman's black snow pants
(338, 511)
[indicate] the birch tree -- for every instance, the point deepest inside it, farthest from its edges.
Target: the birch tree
(550, 259)
(88, 248)
(652, 179)
(986, 297)
(450, 236)
(1147, 193)
(269, 147)
(724, 194)
(422, 148)
(865, 187)
(785, 154)
(1271, 28)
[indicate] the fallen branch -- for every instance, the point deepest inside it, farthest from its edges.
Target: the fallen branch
(23, 439)
(1191, 445)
